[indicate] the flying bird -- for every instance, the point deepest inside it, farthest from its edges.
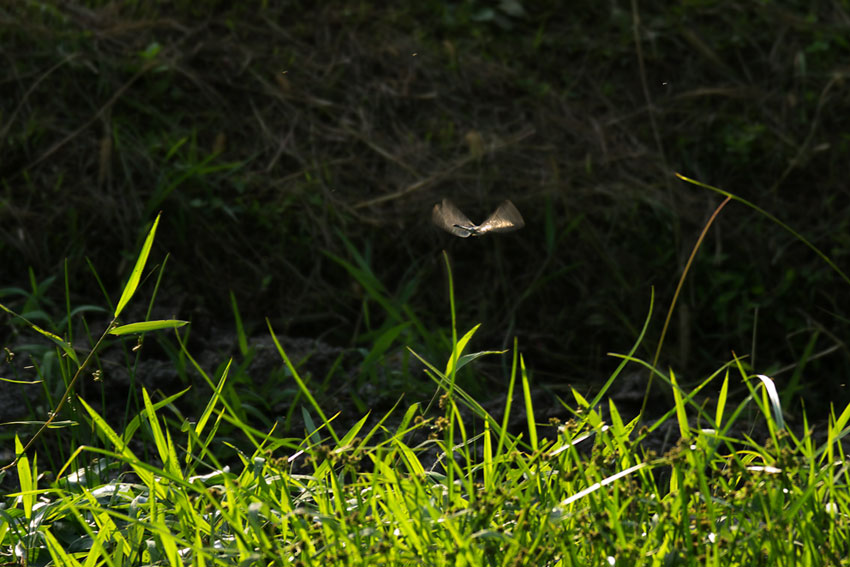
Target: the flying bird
(504, 219)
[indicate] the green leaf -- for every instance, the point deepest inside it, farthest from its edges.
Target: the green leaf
(721, 401)
(489, 468)
(108, 434)
(57, 551)
(461, 344)
(156, 429)
(68, 349)
(64, 345)
(145, 326)
(25, 478)
(382, 344)
(133, 282)
(467, 358)
(240, 329)
(681, 416)
(529, 410)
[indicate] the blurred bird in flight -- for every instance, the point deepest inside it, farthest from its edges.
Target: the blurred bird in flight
(504, 219)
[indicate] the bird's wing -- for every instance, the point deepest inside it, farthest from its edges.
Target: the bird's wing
(504, 219)
(449, 218)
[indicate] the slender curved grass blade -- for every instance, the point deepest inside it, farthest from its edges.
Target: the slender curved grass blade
(202, 421)
(99, 283)
(301, 385)
(773, 396)
(622, 365)
(66, 348)
(64, 345)
(508, 399)
(772, 218)
(136, 275)
(675, 299)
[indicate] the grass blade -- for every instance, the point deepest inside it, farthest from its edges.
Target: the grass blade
(136, 275)
(766, 214)
(240, 329)
(773, 397)
(681, 416)
(145, 326)
(721, 401)
(529, 410)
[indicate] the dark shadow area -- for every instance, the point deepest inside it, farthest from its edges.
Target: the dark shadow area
(296, 151)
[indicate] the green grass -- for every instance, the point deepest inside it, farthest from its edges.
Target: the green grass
(317, 136)
(427, 490)
(447, 484)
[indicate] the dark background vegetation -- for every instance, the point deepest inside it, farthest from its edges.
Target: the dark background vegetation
(284, 140)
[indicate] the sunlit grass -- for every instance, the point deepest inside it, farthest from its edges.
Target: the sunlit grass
(444, 485)
(419, 489)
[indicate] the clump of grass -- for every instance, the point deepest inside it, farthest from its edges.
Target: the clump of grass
(450, 485)
(588, 495)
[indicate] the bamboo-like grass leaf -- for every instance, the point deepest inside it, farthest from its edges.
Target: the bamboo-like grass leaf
(145, 326)
(133, 282)
(63, 344)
